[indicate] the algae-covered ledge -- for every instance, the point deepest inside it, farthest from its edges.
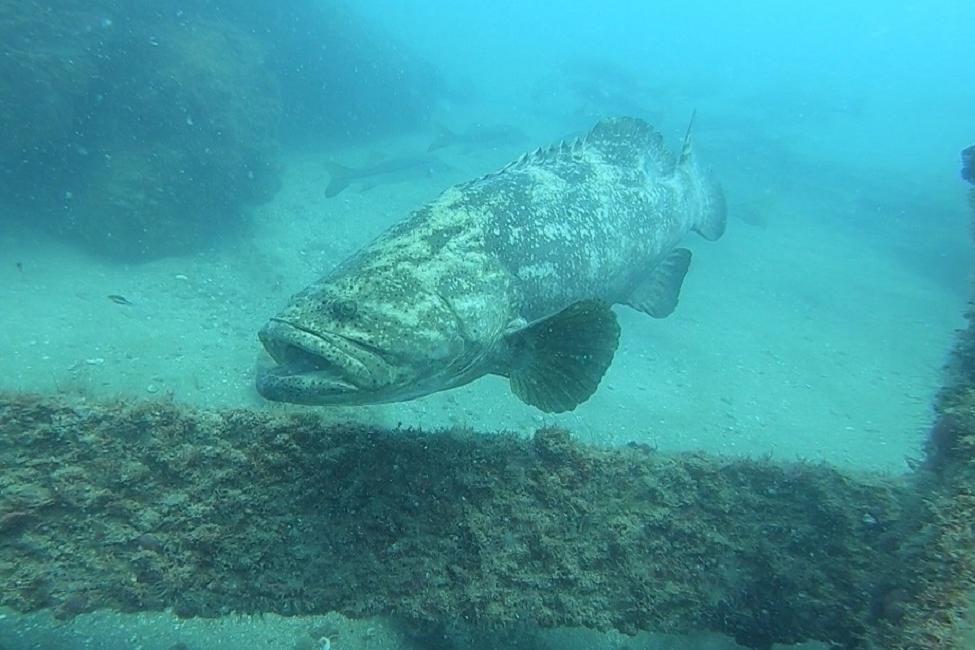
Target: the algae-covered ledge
(151, 506)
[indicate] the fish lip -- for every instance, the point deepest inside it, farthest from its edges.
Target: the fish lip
(303, 354)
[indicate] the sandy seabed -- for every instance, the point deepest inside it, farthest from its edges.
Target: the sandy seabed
(816, 328)
(798, 334)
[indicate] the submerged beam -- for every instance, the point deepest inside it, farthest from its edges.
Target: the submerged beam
(152, 506)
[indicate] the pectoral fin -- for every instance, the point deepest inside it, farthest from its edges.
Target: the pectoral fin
(657, 294)
(556, 363)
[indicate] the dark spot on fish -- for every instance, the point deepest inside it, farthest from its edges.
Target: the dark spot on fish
(150, 542)
(72, 605)
(119, 300)
(440, 237)
(343, 309)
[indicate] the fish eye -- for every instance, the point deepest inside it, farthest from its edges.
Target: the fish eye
(343, 309)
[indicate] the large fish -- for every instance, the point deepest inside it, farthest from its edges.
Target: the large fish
(511, 274)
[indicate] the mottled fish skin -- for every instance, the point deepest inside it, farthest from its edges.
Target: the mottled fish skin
(426, 306)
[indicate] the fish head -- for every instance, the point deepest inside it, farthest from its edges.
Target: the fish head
(361, 339)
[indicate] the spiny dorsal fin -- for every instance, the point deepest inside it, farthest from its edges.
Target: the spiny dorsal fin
(576, 148)
(630, 142)
(573, 148)
(547, 154)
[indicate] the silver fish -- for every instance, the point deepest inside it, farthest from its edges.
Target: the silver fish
(478, 135)
(382, 172)
(512, 274)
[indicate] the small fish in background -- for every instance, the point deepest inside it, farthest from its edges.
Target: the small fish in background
(758, 209)
(20, 266)
(383, 172)
(478, 136)
(583, 89)
(120, 300)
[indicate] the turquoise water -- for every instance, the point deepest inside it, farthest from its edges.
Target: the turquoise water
(815, 328)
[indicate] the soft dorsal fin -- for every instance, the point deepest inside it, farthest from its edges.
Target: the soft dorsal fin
(627, 141)
(624, 139)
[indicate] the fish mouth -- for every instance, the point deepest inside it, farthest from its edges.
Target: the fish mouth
(314, 367)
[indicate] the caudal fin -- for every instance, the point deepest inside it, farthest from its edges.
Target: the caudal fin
(341, 177)
(445, 138)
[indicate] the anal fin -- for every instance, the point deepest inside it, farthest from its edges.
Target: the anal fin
(556, 363)
(657, 294)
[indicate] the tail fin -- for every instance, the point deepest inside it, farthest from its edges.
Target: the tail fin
(341, 177)
(445, 137)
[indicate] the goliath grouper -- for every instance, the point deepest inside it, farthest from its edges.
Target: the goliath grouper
(510, 274)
